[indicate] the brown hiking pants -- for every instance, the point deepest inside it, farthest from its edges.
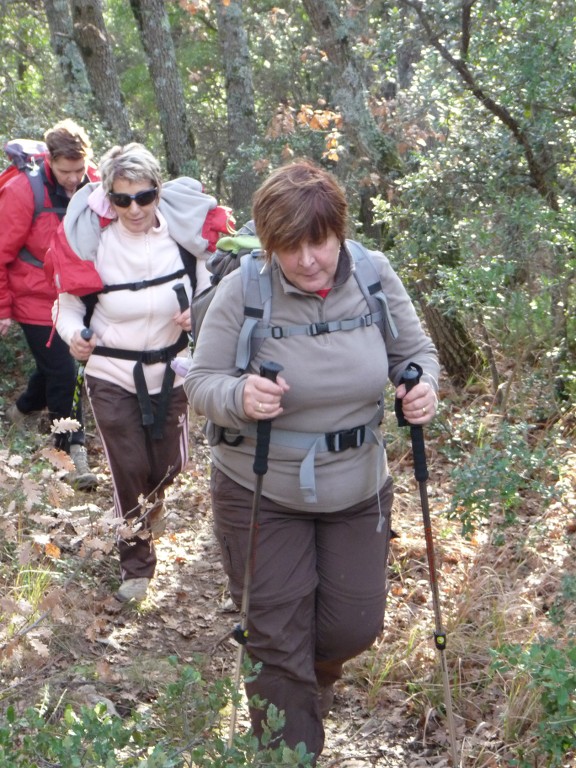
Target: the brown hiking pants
(139, 465)
(317, 596)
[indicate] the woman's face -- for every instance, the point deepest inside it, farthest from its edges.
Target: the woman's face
(137, 217)
(310, 267)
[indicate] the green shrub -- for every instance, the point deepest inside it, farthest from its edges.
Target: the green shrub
(497, 474)
(549, 671)
(183, 728)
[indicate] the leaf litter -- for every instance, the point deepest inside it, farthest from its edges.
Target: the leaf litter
(388, 708)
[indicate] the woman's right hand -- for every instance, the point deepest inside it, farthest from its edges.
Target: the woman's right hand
(81, 348)
(262, 397)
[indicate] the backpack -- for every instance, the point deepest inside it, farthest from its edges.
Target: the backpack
(25, 156)
(242, 251)
(23, 153)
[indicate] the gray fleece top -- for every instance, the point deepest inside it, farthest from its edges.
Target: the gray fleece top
(336, 382)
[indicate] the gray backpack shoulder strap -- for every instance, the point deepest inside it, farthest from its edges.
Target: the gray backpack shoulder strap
(37, 185)
(257, 288)
(36, 180)
(369, 282)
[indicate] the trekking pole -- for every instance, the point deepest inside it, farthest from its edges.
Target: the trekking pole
(270, 371)
(86, 334)
(410, 378)
(184, 304)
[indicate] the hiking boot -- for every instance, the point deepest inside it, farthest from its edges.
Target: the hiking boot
(325, 699)
(157, 520)
(82, 479)
(132, 589)
(17, 417)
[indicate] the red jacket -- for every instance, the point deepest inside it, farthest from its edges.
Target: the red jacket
(26, 296)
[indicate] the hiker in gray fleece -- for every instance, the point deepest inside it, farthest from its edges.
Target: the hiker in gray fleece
(318, 586)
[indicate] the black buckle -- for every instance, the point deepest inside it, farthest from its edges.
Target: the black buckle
(138, 286)
(229, 438)
(317, 328)
(276, 332)
(348, 438)
(155, 356)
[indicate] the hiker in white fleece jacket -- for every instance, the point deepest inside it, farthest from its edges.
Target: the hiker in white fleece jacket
(318, 580)
(120, 244)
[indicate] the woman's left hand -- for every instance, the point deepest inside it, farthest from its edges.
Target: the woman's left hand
(419, 404)
(183, 320)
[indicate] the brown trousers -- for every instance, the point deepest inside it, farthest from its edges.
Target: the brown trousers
(139, 465)
(317, 596)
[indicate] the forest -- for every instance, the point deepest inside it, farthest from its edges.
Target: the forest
(452, 127)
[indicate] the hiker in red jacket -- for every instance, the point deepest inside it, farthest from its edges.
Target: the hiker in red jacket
(26, 296)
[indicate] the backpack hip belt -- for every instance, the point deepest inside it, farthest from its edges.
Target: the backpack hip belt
(318, 442)
(150, 357)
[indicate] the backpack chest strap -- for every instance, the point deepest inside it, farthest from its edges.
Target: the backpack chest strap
(141, 284)
(250, 330)
(317, 329)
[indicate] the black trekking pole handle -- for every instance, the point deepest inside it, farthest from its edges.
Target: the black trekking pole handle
(410, 377)
(268, 370)
(182, 297)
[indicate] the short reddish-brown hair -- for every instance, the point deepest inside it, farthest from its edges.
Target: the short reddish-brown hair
(299, 202)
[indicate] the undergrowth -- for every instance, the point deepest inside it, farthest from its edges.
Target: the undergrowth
(183, 729)
(503, 493)
(508, 601)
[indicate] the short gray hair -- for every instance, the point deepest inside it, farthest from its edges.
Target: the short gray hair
(132, 162)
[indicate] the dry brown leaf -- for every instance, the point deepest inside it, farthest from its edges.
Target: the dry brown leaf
(58, 459)
(51, 600)
(25, 553)
(40, 648)
(8, 651)
(7, 605)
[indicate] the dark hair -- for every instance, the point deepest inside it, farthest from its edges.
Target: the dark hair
(297, 203)
(67, 139)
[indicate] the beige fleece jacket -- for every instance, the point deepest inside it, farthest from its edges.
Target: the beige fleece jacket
(136, 320)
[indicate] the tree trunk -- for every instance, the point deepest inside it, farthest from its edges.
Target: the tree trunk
(458, 354)
(242, 125)
(334, 33)
(66, 51)
(157, 42)
(94, 44)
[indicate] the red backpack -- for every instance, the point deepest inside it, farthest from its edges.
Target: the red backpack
(24, 155)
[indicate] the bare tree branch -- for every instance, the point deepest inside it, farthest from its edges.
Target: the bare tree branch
(535, 168)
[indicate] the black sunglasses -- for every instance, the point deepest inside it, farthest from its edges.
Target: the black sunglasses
(123, 200)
